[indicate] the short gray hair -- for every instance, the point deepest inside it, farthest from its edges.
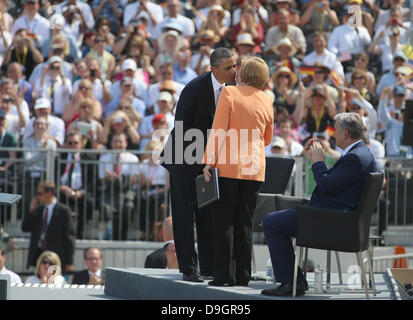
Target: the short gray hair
(218, 54)
(352, 122)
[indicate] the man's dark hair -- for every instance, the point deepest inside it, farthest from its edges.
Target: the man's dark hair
(218, 54)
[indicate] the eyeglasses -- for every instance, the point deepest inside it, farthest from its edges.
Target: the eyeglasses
(54, 68)
(73, 143)
(85, 106)
(395, 34)
(361, 59)
(355, 107)
(123, 107)
(99, 40)
(92, 259)
(84, 88)
(48, 262)
(284, 75)
(398, 59)
(7, 100)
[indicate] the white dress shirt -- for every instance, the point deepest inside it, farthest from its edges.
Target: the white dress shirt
(87, 12)
(216, 86)
(56, 128)
(62, 92)
(14, 278)
(344, 38)
(128, 164)
(38, 26)
(131, 9)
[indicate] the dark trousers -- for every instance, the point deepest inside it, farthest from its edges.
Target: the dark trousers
(233, 229)
(279, 227)
(184, 213)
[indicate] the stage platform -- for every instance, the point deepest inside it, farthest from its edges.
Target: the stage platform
(157, 284)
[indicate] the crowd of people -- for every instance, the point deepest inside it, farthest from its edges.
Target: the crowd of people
(108, 74)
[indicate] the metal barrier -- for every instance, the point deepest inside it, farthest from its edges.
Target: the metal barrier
(381, 263)
(126, 207)
(130, 210)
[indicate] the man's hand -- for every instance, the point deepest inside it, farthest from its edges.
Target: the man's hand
(316, 152)
(95, 280)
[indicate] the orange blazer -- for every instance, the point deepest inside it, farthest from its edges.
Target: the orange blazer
(243, 126)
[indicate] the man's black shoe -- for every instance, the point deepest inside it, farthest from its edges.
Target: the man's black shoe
(192, 277)
(285, 289)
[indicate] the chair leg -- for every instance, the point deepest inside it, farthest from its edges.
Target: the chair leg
(295, 273)
(305, 263)
(300, 260)
(328, 280)
(363, 273)
(254, 264)
(340, 275)
(371, 272)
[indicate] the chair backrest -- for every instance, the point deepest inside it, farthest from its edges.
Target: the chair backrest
(367, 204)
(277, 174)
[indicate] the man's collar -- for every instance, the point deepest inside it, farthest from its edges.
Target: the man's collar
(215, 83)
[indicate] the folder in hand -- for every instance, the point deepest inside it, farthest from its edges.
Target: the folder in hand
(207, 192)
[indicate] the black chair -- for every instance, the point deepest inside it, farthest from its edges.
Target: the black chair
(277, 175)
(340, 230)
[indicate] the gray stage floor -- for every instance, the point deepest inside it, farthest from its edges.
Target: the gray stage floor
(156, 284)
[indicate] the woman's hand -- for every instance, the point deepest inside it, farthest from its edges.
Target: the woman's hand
(207, 174)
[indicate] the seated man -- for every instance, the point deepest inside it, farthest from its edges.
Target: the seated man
(94, 274)
(337, 188)
(15, 279)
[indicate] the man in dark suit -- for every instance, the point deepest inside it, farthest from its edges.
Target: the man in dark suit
(337, 188)
(51, 227)
(195, 110)
(157, 259)
(94, 274)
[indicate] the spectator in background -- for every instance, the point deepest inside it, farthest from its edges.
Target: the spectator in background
(207, 40)
(5, 40)
(285, 129)
(244, 45)
(82, 11)
(359, 81)
(111, 10)
(77, 180)
(285, 96)
(286, 5)
(283, 56)
(57, 23)
(93, 275)
(119, 122)
(248, 24)
(151, 12)
(84, 91)
(21, 86)
(74, 24)
(7, 88)
(118, 175)
(388, 79)
(126, 92)
(157, 259)
(54, 86)
(203, 13)
(361, 62)
(24, 52)
(7, 140)
(285, 29)
(183, 73)
(51, 227)
(36, 25)
(48, 270)
(14, 278)
(55, 125)
(106, 60)
(169, 44)
(14, 123)
(103, 29)
(91, 130)
(7, 19)
(277, 146)
(392, 121)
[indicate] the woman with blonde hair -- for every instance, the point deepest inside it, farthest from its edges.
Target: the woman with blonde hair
(61, 41)
(169, 44)
(48, 270)
(244, 115)
(84, 91)
(215, 22)
(90, 129)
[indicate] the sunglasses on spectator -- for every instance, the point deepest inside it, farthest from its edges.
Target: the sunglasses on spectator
(398, 74)
(123, 107)
(395, 34)
(48, 262)
(73, 143)
(355, 107)
(398, 59)
(85, 106)
(7, 100)
(54, 68)
(31, 2)
(84, 88)
(99, 40)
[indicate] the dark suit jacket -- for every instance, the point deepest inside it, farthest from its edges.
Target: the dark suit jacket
(340, 187)
(60, 235)
(156, 259)
(82, 277)
(196, 109)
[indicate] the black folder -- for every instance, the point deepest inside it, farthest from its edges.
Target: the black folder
(207, 192)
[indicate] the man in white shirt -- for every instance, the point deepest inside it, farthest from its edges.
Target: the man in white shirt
(152, 12)
(33, 22)
(260, 13)
(7, 88)
(56, 126)
(14, 123)
(321, 55)
(14, 278)
(395, 21)
(83, 9)
(54, 86)
(186, 24)
(119, 173)
(345, 38)
(383, 15)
